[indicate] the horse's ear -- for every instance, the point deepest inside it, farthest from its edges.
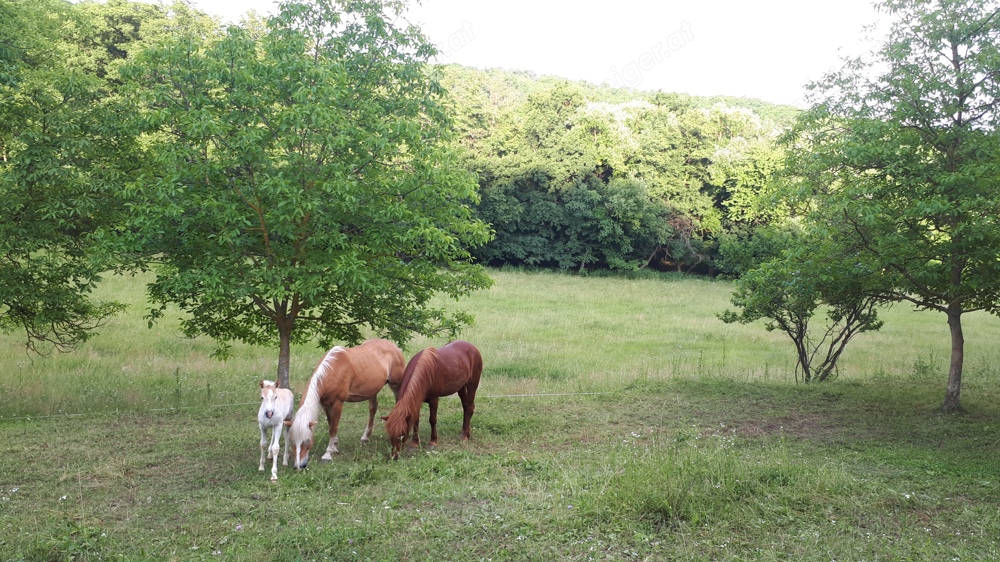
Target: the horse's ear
(262, 383)
(288, 423)
(312, 424)
(385, 418)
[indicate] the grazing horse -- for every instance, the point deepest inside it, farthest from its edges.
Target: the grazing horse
(344, 375)
(275, 407)
(431, 374)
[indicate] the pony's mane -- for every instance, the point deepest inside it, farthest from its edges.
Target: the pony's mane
(411, 392)
(309, 407)
(417, 374)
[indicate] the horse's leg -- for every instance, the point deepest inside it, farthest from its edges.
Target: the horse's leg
(372, 410)
(433, 403)
(468, 397)
(284, 461)
(333, 417)
(275, 444)
(263, 447)
(415, 426)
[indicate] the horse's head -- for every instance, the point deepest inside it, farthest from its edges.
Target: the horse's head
(398, 429)
(268, 398)
(300, 440)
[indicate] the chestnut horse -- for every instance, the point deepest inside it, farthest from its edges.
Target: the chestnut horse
(431, 374)
(344, 375)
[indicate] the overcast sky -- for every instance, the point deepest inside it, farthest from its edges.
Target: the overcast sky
(766, 49)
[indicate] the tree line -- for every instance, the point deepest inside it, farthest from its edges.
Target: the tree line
(578, 176)
(312, 176)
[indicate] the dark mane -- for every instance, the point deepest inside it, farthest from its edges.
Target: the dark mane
(420, 361)
(454, 368)
(411, 392)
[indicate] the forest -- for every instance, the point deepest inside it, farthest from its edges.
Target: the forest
(578, 176)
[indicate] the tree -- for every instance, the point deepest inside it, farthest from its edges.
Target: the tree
(299, 184)
(811, 275)
(902, 151)
(60, 167)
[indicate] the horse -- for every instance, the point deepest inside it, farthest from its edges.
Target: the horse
(431, 374)
(343, 375)
(275, 407)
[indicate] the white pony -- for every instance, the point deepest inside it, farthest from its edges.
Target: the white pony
(275, 407)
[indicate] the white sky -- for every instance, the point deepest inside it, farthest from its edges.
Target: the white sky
(766, 49)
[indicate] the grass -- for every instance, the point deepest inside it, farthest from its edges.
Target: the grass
(693, 443)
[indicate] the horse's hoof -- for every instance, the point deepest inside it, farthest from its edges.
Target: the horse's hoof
(261, 469)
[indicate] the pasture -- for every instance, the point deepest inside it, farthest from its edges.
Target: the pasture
(617, 419)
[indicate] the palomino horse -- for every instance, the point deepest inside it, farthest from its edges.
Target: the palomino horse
(431, 374)
(344, 375)
(275, 407)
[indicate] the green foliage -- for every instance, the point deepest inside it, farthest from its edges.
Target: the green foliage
(589, 224)
(746, 171)
(788, 292)
(783, 116)
(299, 183)
(61, 164)
(901, 155)
(111, 31)
(744, 248)
(557, 159)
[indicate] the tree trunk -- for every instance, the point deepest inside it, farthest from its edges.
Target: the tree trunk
(951, 397)
(284, 352)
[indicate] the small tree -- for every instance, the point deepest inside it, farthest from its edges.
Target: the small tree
(299, 185)
(790, 290)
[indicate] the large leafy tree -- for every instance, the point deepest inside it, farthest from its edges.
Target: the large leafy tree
(299, 184)
(60, 166)
(902, 149)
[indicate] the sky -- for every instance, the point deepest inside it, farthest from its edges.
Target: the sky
(767, 49)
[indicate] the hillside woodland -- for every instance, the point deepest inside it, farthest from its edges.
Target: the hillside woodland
(578, 176)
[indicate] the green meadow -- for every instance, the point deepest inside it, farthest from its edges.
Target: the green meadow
(617, 419)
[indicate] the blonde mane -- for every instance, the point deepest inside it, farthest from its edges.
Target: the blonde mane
(309, 407)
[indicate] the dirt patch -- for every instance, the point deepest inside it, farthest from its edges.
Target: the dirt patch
(799, 425)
